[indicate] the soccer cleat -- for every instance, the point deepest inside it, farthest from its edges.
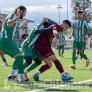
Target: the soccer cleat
(73, 67)
(25, 81)
(36, 77)
(5, 64)
(66, 76)
(87, 63)
(13, 78)
(26, 76)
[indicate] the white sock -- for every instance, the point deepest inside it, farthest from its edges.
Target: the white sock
(13, 71)
(22, 77)
(26, 71)
(17, 74)
(38, 72)
(74, 64)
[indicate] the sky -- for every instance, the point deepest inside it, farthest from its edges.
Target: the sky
(37, 9)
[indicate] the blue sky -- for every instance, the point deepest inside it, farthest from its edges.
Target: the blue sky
(37, 9)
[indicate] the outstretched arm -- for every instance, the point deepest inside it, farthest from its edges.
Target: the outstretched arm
(42, 30)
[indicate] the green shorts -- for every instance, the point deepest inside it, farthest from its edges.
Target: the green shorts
(60, 47)
(78, 45)
(9, 47)
(27, 51)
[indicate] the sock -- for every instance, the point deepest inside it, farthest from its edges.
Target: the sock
(13, 71)
(17, 74)
(25, 65)
(17, 62)
(33, 66)
(58, 66)
(81, 56)
(22, 77)
(44, 68)
(84, 56)
(74, 56)
(77, 52)
(62, 52)
(38, 72)
(4, 60)
(59, 53)
(26, 71)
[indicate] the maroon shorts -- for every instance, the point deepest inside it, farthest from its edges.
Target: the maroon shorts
(44, 47)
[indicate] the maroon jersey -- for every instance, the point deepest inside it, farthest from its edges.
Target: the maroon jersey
(43, 44)
(24, 36)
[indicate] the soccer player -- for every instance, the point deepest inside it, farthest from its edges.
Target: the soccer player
(1, 52)
(44, 46)
(80, 30)
(9, 46)
(60, 43)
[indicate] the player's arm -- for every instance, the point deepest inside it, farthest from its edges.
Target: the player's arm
(23, 24)
(11, 22)
(87, 31)
(43, 30)
(72, 34)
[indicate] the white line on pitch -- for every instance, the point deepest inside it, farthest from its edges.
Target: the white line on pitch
(61, 85)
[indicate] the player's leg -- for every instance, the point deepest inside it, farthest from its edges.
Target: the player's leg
(62, 51)
(59, 67)
(46, 66)
(81, 57)
(81, 47)
(75, 46)
(3, 58)
(77, 53)
(12, 50)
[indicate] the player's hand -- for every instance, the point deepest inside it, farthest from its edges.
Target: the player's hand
(45, 20)
(82, 37)
(25, 22)
(18, 13)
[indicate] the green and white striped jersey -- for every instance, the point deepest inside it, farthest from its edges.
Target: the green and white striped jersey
(32, 37)
(80, 28)
(9, 32)
(61, 37)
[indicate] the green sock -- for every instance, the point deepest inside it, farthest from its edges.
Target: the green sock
(84, 56)
(74, 56)
(25, 65)
(18, 64)
(33, 66)
(62, 52)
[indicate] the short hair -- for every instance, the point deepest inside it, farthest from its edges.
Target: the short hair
(21, 7)
(67, 22)
(0, 21)
(79, 11)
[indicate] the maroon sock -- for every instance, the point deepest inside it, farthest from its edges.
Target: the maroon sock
(77, 52)
(4, 60)
(58, 66)
(44, 68)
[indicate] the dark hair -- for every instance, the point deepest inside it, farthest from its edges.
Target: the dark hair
(67, 22)
(0, 21)
(79, 11)
(21, 7)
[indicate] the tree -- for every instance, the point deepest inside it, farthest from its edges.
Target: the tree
(85, 5)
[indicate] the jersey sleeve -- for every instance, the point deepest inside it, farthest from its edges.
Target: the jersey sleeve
(86, 26)
(10, 17)
(56, 27)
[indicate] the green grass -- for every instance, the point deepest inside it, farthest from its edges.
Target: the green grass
(51, 77)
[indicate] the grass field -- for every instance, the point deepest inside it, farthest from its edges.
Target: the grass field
(51, 78)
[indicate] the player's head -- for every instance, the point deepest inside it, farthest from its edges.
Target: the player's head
(25, 30)
(0, 24)
(79, 14)
(22, 10)
(65, 25)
